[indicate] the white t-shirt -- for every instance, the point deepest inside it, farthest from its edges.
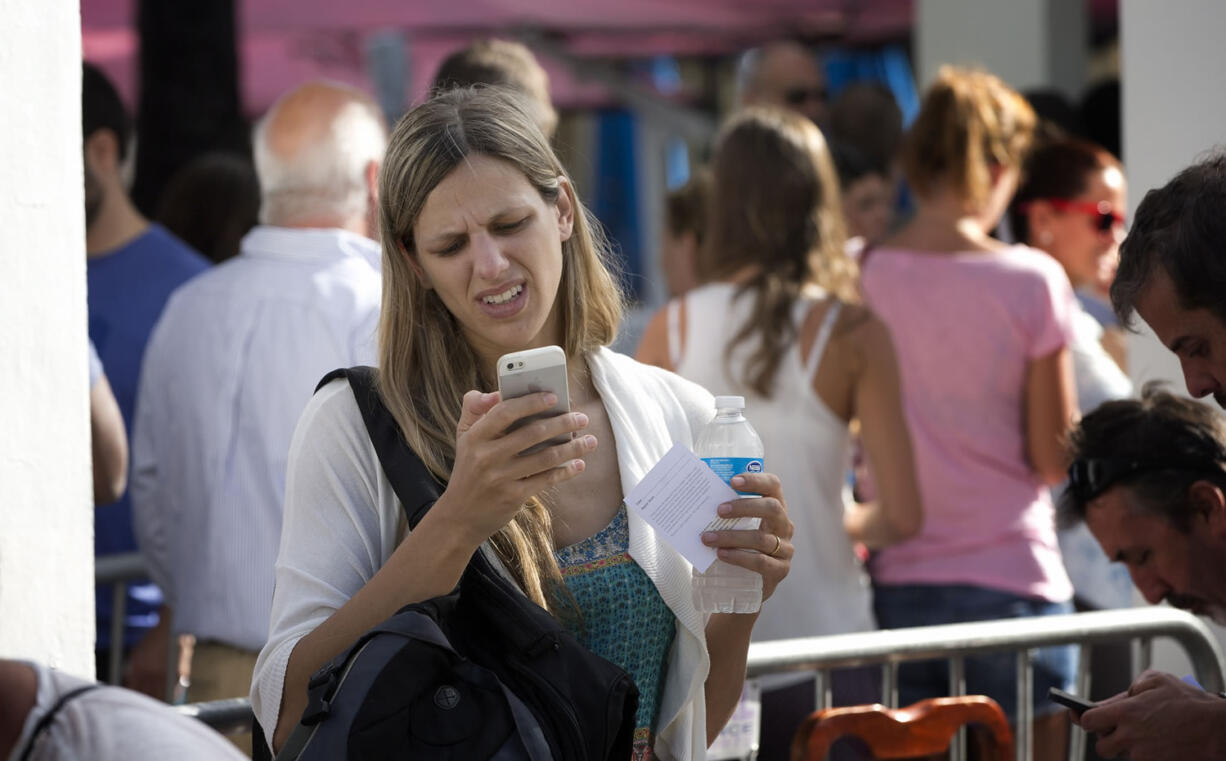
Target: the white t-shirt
(114, 724)
(807, 445)
(1096, 579)
(228, 368)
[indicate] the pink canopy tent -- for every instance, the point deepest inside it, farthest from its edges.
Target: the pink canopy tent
(285, 42)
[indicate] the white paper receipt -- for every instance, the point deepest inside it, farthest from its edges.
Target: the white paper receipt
(679, 497)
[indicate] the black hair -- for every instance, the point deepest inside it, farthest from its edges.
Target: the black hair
(1058, 116)
(1100, 115)
(101, 108)
(866, 116)
(1185, 439)
(852, 165)
(211, 203)
(1179, 227)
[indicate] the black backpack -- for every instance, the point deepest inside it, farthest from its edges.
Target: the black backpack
(481, 673)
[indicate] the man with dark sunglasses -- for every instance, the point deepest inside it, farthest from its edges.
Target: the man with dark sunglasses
(784, 74)
(1172, 272)
(1149, 480)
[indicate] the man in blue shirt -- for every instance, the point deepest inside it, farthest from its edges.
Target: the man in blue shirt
(132, 268)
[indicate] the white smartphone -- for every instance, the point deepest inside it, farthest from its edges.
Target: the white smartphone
(534, 370)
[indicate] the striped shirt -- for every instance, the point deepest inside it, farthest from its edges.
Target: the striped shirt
(230, 365)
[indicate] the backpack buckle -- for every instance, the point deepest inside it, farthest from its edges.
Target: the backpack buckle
(320, 690)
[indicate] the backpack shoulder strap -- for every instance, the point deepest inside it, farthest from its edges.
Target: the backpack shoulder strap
(415, 487)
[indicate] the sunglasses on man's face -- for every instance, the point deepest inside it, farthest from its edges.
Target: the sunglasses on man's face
(797, 96)
(1089, 478)
(1105, 217)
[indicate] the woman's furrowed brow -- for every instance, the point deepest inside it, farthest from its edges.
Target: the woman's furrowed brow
(444, 236)
(451, 233)
(510, 210)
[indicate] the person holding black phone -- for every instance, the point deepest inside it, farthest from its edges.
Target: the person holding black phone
(1149, 480)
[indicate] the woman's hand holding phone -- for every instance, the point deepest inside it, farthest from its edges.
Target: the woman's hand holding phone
(491, 479)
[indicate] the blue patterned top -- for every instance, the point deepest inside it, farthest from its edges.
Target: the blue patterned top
(624, 619)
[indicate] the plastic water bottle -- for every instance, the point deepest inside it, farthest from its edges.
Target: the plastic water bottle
(730, 446)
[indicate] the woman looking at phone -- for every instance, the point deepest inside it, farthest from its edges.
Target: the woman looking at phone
(487, 250)
(778, 322)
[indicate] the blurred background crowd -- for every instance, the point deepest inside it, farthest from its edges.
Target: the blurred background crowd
(814, 155)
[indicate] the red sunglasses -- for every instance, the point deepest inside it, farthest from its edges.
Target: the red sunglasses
(1106, 218)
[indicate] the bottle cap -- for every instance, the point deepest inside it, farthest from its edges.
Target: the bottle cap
(729, 402)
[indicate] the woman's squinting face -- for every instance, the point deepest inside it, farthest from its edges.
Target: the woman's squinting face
(1089, 254)
(491, 247)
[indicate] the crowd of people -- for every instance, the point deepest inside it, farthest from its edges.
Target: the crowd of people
(914, 370)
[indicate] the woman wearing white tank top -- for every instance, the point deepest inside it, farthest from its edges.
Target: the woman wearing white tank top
(777, 322)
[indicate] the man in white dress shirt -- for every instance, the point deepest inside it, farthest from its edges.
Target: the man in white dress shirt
(234, 359)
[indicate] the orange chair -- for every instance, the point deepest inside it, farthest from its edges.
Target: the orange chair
(921, 729)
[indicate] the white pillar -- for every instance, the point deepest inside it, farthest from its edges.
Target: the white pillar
(1172, 59)
(1027, 43)
(46, 513)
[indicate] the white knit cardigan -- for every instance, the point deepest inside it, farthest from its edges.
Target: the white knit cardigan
(342, 520)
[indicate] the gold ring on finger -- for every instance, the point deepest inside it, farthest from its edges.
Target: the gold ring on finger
(778, 544)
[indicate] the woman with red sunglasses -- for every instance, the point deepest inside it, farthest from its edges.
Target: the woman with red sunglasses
(1071, 205)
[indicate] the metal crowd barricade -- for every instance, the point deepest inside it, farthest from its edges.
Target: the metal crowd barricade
(954, 642)
(118, 570)
(229, 717)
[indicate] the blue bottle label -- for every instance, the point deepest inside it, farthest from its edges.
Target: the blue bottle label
(727, 467)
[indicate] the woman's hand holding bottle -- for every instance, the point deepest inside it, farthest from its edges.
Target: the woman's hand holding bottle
(772, 540)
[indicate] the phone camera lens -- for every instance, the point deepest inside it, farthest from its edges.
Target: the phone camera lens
(510, 365)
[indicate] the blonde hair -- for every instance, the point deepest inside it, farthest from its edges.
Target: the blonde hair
(503, 63)
(775, 205)
(425, 363)
(969, 121)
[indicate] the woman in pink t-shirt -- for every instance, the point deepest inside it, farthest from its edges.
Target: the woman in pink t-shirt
(982, 332)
